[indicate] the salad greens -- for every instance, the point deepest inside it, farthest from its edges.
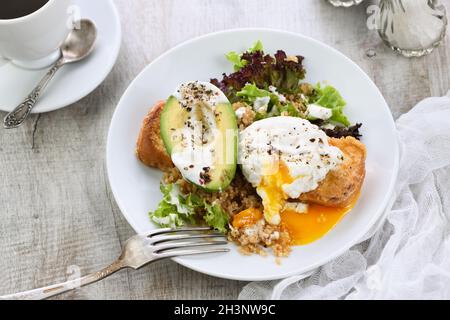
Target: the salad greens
(259, 76)
(250, 93)
(255, 67)
(236, 58)
(330, 98)
(258, 46)
(276, 106)
(215, 217)
(290, 110)
(173, 210)
(176, 210)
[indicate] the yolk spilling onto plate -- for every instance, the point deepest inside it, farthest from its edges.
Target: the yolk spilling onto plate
(305, 228)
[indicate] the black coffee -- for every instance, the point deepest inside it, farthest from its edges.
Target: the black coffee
(11, 9)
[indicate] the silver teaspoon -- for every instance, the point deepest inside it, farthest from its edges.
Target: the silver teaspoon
(77, 46)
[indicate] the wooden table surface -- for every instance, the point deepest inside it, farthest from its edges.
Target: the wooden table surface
(57, 213)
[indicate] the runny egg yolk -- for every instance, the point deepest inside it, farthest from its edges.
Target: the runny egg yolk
(304, 228)
(308, 227)
(271, 190)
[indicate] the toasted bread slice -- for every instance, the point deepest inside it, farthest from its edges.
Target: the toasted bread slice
(150, 148)
(342, 185)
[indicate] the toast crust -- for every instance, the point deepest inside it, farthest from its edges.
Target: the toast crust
(150, 148)
(342, 186)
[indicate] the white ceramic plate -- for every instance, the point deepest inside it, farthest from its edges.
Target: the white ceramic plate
(72, 82)
(136, 187)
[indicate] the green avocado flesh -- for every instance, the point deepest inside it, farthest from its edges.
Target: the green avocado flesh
(221, 172)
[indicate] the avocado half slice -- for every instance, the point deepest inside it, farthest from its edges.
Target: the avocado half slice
(217, 174)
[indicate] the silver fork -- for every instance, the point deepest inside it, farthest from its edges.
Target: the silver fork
(139, 251)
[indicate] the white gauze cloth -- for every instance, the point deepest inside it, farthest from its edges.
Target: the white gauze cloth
(408, 256)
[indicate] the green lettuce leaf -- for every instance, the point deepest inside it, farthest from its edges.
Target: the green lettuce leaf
(167, 214)
(251, 92)
(176, 210)
(261, 116)
(216, 218)
(258, 46)
(236, 58)
(330, 98)
(290, 109)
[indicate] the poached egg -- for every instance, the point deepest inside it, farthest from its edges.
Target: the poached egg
(282, 158)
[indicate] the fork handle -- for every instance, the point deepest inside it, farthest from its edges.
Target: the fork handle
(57, 289)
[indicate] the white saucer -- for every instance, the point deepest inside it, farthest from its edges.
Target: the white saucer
(72, 82)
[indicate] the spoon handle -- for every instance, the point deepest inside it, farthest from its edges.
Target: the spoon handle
(15, 118)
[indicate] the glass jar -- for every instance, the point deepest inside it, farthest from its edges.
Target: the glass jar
(412, 27)
(345, 3)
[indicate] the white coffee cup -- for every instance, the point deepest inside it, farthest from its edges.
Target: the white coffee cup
(33, 41)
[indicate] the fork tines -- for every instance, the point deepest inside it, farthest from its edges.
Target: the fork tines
(180, 230)
(186, 241)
